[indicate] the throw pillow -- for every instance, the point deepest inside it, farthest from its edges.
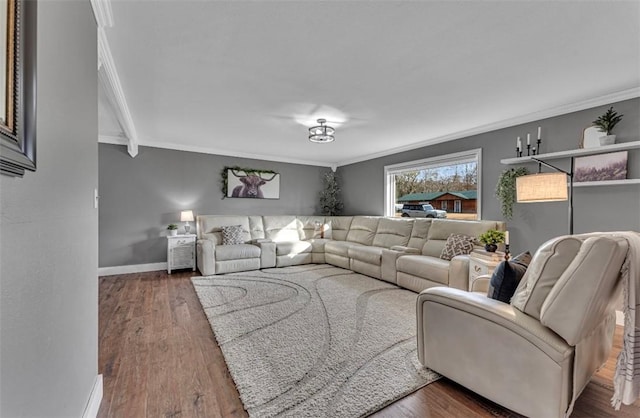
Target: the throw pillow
(232, 235)
(507, 276)
(457, 244)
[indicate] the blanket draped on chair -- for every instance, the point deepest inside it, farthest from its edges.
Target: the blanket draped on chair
(626, 380)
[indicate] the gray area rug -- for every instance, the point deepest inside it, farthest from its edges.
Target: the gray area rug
(314, 340)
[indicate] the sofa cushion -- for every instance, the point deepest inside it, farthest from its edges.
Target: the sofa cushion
(281, 228)
(457, 244)
(548, 264)
(419, 233)
(363, 229)
(236, 252)
(339, 226)
(317, 244)
(308, 226)
(210, 227)
(371, 255)
(293, 247)
(339, 247)
(507, 276)
(392, 232)
(440, 230)
(232, 235)
(432, 268)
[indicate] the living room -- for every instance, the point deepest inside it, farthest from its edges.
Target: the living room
(52, 329)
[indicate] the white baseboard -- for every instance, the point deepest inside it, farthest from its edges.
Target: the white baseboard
(619, 318)
(91, 410)
(134, 268)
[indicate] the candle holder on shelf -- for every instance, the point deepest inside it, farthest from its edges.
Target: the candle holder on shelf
(528, 150)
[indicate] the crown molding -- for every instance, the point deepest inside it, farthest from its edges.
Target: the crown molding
(506, 123)
(108, 76)
(118, 140)
(102, 12)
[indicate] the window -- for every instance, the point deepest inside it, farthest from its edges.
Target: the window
(449, 181)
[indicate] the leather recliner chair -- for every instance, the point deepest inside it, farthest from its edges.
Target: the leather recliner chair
(536, 354)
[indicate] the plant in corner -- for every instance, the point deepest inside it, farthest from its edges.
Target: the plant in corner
(606, 123)
(491, 238)
(173, 229)
(506, 189)
(330, 200)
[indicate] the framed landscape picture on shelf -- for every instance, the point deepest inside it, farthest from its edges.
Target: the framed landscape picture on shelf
(601, 167)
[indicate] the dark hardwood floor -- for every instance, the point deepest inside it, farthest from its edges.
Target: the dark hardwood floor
(159, 358)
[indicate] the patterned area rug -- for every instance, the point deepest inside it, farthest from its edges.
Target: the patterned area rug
(314, 340)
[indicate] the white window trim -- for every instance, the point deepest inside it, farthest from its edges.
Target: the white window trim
(390, 172)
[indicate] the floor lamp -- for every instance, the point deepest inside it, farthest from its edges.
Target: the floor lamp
(547, 187)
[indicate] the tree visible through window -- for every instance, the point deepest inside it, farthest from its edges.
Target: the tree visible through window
(448, 182)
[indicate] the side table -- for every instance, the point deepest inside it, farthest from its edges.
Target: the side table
(479, 266)
(181, 252)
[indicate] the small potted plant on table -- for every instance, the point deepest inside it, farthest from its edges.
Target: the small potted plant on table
(173, 230)
(491, 239)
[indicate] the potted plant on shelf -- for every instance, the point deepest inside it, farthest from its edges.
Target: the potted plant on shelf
(606, 123)
(491, 239)
(173, 230)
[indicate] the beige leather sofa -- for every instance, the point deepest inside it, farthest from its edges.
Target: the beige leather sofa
(535, 355)
(401, 251)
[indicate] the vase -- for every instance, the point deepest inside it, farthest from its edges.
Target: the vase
(607, 140)
(173, 232)
(491, 248)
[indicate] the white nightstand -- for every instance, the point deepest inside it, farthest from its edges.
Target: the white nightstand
(181, 252)
(479, 266)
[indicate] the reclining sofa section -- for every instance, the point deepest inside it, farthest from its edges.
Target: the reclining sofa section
(402, 251)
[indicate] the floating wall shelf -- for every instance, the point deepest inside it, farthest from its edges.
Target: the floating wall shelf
(581, 152)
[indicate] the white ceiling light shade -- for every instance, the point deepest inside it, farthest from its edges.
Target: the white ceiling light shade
(542, 187)
(321, 134)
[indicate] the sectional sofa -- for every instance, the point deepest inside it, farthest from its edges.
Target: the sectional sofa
(402, 251)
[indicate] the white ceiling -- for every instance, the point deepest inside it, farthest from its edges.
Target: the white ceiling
(248, 78)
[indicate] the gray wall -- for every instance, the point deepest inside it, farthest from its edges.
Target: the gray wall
(140, 196)
(49, 232)
(595, 208)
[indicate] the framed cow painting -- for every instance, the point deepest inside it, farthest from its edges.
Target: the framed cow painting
(252, 184)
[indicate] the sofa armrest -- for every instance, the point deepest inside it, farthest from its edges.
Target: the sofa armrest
(441, 309)
(267, 253)
(405, 250)
(206, 256)
(259, 241)
(388, 268)
(481, 284)
(459, 272)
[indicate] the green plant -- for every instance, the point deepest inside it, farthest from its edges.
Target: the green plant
(492, 236)
(330, 199)
(608, 121)
(172, 226)
(506, 189)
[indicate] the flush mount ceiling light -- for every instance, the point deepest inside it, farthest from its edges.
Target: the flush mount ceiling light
(322, 133)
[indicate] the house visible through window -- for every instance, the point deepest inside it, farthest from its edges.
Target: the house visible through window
(449, 182)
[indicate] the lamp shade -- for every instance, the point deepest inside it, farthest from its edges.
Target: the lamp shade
(186, 216)
(542, 187)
